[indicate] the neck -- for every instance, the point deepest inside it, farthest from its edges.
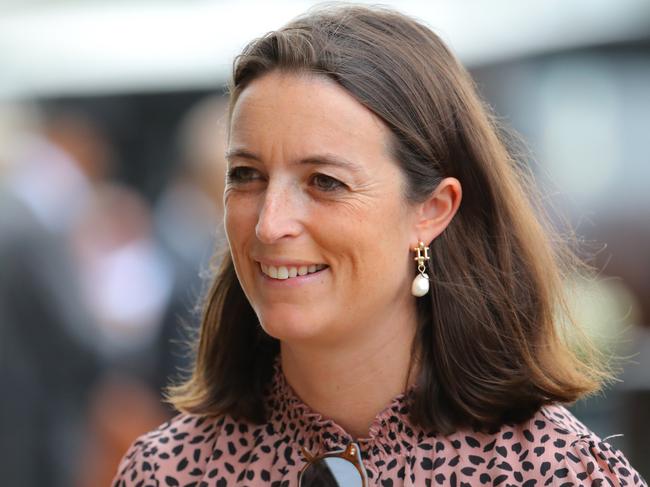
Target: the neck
(351, 383)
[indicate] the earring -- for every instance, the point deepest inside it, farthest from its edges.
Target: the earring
(420, 284)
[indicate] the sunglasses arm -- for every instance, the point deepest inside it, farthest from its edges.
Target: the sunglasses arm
(307, 455)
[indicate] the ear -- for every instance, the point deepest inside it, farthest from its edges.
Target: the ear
(434, 214)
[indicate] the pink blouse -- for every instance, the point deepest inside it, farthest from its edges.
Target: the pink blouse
(552, 448)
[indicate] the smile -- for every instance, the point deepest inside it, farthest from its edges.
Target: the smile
(284, 272)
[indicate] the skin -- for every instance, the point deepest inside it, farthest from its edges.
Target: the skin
(353, 322)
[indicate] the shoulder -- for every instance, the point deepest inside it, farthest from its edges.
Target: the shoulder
(550, 448)
(555, 446)
(176, 450)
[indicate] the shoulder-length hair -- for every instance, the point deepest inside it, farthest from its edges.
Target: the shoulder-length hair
(490, 346)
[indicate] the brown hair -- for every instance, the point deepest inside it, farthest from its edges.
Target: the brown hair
(489, 343)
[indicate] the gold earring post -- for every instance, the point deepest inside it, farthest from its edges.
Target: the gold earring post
(422, 254)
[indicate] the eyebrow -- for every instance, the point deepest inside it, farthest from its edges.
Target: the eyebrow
(315, 159)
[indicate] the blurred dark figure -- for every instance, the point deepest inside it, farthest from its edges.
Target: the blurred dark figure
(189, 217)
(636, 404)
(127, 285)
(46, 365)
(121, 408)
(126, 278)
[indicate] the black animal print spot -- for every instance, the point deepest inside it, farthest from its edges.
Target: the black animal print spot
(545, 467)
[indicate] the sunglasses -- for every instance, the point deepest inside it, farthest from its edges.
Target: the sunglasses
(340, 468)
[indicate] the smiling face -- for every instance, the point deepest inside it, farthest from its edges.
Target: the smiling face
(318, 227)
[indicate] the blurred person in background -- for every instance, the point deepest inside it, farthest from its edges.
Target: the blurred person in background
(126, 277)
(317, 295)
(47, 362)
(127, 284)
(83, 288)
(188, 219)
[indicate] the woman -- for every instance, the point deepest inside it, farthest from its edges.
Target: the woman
(385, 313)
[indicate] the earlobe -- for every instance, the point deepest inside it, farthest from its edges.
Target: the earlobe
(437, 211)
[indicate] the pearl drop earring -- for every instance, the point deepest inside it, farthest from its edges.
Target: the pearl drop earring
(420, 284)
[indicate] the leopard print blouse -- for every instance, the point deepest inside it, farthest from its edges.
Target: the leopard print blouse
(552, 448)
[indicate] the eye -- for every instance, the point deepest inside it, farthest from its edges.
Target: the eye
(242, 174)
(326, 183)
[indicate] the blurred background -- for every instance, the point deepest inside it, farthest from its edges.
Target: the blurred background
(111, 174)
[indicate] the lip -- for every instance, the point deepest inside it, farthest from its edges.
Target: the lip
(286, 262)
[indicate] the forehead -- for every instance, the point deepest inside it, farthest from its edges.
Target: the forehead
(304, 113)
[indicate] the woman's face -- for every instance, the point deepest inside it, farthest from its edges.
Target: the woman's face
(318, 227)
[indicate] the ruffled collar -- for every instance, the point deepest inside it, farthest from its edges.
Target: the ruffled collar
(295, 421)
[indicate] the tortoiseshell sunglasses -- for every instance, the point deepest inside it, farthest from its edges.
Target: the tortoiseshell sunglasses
(340, 468)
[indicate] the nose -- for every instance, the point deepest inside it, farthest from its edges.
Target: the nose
(279, 215)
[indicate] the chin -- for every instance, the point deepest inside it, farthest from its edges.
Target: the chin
(291, 325)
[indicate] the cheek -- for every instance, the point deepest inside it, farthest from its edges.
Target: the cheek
(370, 242)
(239, 218)
(391, 240)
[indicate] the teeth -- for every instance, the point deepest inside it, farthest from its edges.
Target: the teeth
(283, 272)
